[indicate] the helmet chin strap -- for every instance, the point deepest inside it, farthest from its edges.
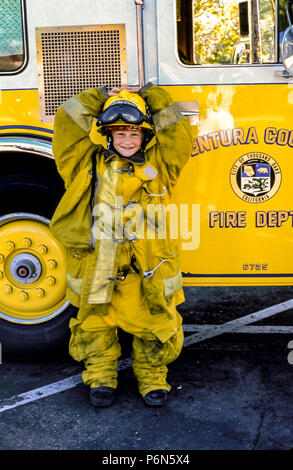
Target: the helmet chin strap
(109, 141)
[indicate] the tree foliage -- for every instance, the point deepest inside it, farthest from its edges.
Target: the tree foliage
(216, 30)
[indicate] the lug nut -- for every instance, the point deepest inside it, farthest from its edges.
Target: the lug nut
(2, 258)
(8, 289)
(52, 264)
(23, 296)
(10, 245)
(51, 280)
(43, 249)
(40, 292)
(27, 242)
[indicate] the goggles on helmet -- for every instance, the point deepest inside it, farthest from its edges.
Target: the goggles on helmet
(126, 112)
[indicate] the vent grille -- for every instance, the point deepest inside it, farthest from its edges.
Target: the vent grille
(72, 59)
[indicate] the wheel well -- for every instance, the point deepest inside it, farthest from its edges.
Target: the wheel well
(25, 162)
(29, 182)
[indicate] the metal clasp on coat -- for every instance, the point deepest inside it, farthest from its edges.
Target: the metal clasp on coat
(125, 240)
(120, 276)
(124, 170)
(160, 195)
(122, 207)
(148, 274)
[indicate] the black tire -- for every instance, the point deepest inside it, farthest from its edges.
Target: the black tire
(36, 194)
(43, 341)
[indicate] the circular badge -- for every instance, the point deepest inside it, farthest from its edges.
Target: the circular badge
(255, 177)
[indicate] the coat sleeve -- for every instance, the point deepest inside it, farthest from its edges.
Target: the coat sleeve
(172, 129)
(72, 146)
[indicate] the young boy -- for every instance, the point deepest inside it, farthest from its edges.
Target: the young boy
(121, 274)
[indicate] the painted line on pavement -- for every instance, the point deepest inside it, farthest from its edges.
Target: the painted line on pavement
(50, 389)
(233, 325)
(204, 333)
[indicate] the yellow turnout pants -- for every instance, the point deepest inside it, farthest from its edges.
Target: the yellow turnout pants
(157, 339)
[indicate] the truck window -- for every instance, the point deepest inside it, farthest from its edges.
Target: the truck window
(219, 32)
(12, 55)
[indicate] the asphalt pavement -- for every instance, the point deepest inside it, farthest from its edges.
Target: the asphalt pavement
(231, 392)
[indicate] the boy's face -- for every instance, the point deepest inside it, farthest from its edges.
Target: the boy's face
(127, 143)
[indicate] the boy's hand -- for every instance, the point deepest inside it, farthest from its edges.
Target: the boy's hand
(116, 90)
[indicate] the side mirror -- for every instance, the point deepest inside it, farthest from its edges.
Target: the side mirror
(287, 50)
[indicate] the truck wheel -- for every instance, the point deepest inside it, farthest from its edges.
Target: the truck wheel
(34, 313)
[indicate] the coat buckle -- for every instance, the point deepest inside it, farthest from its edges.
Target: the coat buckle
(121, 275)
(148, 274)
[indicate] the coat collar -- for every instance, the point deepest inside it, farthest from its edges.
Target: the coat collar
(138, 158)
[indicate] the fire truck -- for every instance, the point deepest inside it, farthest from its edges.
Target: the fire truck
(228, 65)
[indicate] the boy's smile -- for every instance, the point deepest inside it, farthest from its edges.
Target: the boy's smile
(127, 143)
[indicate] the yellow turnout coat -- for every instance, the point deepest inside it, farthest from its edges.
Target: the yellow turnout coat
(94, 246)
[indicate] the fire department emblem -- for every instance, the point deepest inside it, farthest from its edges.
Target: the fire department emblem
(255, 177)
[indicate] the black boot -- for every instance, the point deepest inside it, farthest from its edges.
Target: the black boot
(102, 396)
(156, 398)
